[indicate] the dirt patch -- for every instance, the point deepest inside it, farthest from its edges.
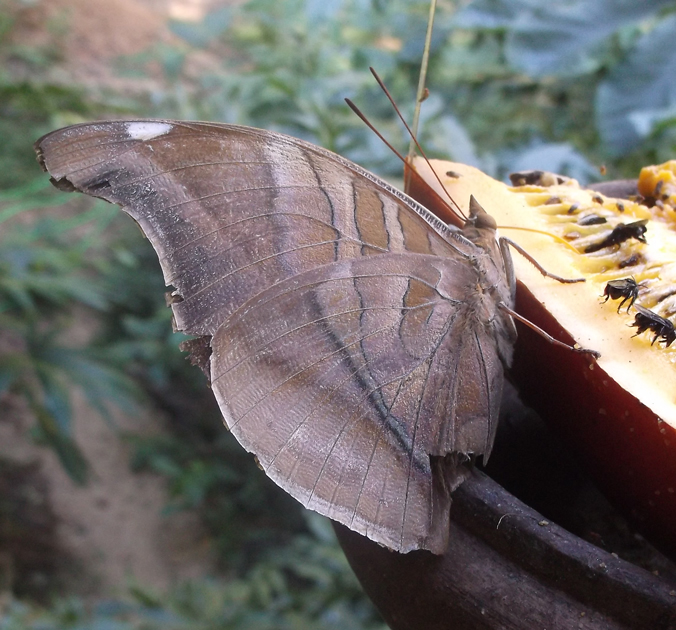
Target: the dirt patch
(114, 528)
(84, 40)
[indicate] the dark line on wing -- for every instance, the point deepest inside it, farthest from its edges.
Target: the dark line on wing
(393, 425)
(394, 429)
(384, 213)
(318, 406)
(394, 402)
(298, 372)
(377, 399)
(355, 414)
(323, 188)
(354, 214)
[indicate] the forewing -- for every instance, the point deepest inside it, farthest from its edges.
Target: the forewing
(233, 210)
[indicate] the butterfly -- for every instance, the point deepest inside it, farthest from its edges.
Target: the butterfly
(356, 344)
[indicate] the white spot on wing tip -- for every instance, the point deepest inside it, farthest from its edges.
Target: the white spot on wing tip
(147, 130)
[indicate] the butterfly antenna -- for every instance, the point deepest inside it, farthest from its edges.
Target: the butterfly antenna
(370, 125)
(454, 206)
(452, 212)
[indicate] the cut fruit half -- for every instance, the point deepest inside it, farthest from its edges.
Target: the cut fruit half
(618, 413)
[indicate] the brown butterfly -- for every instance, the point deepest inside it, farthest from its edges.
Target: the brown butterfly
(357, 343)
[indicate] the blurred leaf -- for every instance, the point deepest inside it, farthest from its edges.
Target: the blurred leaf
(320, 527)
(12, 368)
(564, 38)
(100, 381)
(48, 432)
(640, 92)
(26, 108)
(55, 396)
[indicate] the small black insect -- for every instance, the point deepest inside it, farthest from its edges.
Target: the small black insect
(647, 320)
(627, 289)
(621, 232)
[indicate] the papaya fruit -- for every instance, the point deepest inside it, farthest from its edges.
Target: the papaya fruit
(618, 413)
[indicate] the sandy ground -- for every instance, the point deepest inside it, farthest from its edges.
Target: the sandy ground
(113, 529)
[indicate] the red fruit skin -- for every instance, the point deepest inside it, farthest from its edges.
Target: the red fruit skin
(625, 448)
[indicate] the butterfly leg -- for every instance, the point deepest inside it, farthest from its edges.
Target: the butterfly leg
(535, 263)
(546, 335)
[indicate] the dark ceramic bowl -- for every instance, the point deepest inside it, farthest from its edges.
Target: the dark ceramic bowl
(510, 567)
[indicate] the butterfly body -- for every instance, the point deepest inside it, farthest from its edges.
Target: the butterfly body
(357, 344)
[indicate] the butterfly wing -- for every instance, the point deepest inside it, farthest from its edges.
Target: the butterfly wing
(346, 353)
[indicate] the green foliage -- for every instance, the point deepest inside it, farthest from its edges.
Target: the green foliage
(307, 585)
(45, 270)
(26, 111)
(245, 513)
(637, 99)
(564, 39)
(614, 55)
